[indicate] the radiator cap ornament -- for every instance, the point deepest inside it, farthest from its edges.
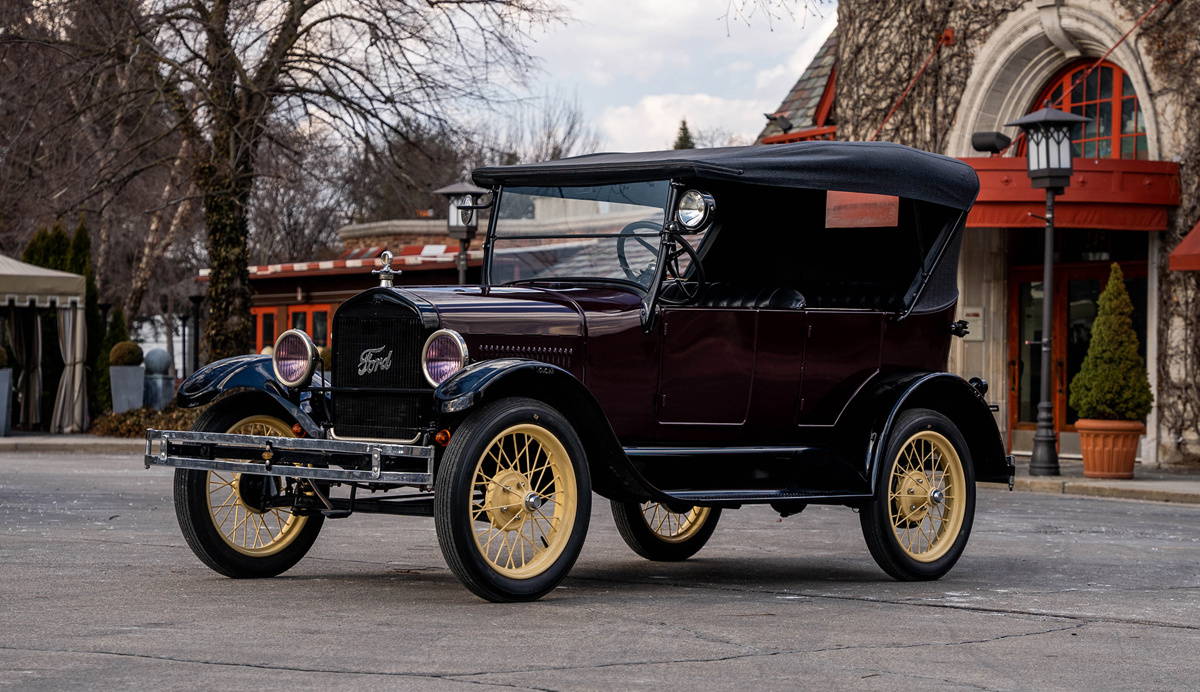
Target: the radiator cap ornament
(386, 274)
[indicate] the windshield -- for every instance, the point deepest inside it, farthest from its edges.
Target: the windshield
(562, 233)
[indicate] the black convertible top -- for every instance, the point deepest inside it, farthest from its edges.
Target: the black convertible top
(877, 167)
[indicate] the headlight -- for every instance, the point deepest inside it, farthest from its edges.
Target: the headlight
(295, 358)
(694, 210)
(445, 353)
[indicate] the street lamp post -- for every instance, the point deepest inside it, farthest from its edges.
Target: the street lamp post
(1048, 151)
(462, 219)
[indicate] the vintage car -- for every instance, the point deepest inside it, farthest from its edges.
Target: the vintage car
(682, 332)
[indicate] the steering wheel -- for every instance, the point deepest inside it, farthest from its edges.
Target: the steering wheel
(627, 234)
(684, 292)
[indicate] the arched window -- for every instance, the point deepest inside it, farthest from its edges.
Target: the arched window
(1117, 130)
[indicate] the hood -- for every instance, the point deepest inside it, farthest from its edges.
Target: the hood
(518, 311)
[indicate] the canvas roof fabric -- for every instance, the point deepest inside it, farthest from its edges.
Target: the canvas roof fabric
(23, 283)
(875, 167)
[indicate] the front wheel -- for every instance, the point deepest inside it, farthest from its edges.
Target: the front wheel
(658, 532)
(227, 518)
(512, 500)
(917, 524)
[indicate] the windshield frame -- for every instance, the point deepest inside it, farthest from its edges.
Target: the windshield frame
(646, 292)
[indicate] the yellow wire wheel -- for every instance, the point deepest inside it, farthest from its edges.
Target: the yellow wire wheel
(926, 494)
(918, 522)
(523, 501)
(233, 500)
(512, 499)
(664, 532)
(225, 517)
(673, 527)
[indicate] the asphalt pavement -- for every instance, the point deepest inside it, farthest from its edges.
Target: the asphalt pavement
(99, 591)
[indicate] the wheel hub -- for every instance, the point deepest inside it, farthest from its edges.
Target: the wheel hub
(914, 497)
(507, 495)
(250, 491)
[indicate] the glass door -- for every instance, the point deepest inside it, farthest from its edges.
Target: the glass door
(1077, 292)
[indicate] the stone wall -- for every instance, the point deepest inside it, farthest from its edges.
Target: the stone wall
(883, 45)
(1172, 41)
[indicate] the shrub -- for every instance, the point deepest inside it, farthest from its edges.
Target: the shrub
(134, 423)
(3, 358)
(1112, 382)
(125, 353)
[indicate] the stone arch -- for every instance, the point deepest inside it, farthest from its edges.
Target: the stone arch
(1026, 51)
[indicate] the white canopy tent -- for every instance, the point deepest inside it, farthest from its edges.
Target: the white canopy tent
(25, 288)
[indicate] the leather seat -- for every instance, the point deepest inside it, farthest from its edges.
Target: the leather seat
(855, 295)
(725, 295)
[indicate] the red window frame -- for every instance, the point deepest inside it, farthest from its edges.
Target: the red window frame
(1107, 96)
(307, 328)
(258, 313)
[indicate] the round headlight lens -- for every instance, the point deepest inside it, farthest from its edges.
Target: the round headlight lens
(445, 353)
(295, 358)
(694, 209)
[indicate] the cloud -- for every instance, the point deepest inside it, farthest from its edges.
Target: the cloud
(653, 122)
(779, 79)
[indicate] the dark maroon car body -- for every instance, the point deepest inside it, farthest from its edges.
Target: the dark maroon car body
(761, 390)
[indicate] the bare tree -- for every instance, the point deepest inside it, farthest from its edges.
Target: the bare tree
(230, 70)
(300, 199)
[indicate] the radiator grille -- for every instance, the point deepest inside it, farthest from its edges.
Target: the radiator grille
(379, 353)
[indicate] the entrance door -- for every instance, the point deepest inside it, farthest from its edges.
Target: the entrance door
(1077, 289)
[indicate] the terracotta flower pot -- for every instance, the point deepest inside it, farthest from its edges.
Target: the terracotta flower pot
(1109, 446)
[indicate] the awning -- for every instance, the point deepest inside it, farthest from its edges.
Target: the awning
(1186, 257)
(1111, 194)
(24, 287)
(22, 284)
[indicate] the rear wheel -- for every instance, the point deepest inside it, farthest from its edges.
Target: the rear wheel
(225, 517)
(917, 524)
(658, 532)
(512, 500)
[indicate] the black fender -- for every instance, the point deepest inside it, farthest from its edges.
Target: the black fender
(613, 474)
(251, 373)
(948, 394)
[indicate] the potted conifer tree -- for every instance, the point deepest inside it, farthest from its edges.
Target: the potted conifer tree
(1111, 392)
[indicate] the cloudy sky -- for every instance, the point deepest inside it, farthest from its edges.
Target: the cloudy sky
(639, 66)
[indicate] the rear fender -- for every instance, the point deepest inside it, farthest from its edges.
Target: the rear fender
(253, 373)
(949, 395)
(613, 474)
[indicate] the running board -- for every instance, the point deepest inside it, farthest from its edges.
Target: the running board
(712, 497)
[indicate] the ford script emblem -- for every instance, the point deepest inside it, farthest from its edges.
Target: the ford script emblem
(370, 361)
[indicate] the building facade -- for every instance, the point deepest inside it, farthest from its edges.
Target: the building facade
(1133, 199)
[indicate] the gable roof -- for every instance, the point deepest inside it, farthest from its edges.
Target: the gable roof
(800, 105)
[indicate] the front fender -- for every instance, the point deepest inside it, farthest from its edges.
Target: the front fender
(613, 474)
(254, 373)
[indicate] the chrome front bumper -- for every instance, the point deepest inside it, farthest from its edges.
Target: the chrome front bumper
(292, 457)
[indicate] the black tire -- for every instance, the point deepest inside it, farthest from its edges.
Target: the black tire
(202, 523)
(912, 534)
(476, 491)
(674, 536)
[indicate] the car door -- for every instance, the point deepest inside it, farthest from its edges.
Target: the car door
(841, 353)
(707, 366)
